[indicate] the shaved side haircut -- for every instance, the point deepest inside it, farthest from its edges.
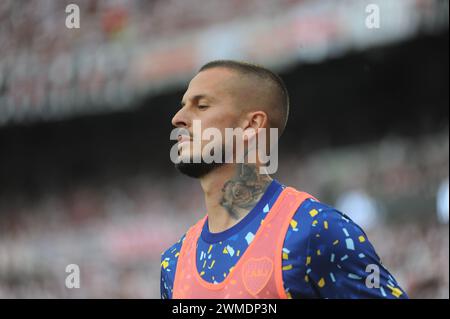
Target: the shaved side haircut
(268, 85)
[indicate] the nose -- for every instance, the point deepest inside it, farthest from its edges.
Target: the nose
(180, 119)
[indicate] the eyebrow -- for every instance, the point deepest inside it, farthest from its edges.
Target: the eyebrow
(197, 97)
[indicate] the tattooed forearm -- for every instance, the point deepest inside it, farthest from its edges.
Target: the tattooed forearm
(241, 193)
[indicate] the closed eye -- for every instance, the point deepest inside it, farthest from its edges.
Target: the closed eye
(201, 107)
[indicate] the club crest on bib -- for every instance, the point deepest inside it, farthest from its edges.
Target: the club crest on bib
(256, 273)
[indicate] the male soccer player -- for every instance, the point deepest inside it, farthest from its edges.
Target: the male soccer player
(259, 238)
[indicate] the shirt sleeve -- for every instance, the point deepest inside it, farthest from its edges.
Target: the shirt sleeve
(164, 284)
(342, 263)
(168, 268)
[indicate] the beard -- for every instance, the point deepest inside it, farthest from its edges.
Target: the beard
(198, 170)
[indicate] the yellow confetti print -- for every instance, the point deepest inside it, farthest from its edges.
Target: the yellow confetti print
(177, 254)
(164, 264)
(293, 224)
(308, 260)
(202, 273)
(212, 264)
(314, 223)
(325, 224)
(285, 256)
(238, 252)
(321, 283)
(318, 252)
(288, 267)
(204, 264)
(313, 212)
(225, 251)
(336, 242)
(395, 291)
(361, 239)
(288, 294)
(306, 278)
(209, 249)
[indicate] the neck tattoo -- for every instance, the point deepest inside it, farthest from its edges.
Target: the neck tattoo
(241, 193)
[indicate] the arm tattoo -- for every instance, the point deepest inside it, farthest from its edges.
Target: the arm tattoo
(241, 193)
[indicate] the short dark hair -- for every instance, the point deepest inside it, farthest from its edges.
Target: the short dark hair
(280, 91)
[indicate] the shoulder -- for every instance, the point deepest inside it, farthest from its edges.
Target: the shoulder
(313, 217)
(324, 226)
(334, 253)
(315, 225)
(169, 260)
(319, 233)
(170, 256)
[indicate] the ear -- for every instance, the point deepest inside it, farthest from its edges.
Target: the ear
(254, 121)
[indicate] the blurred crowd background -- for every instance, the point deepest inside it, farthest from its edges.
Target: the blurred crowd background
(85, 172)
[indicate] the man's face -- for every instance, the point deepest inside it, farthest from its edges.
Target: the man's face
(210, 98)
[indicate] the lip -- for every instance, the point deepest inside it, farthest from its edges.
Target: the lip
(183, 139)
(182, 145)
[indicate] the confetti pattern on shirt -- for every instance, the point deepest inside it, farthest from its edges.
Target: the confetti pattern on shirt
(325, 254)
